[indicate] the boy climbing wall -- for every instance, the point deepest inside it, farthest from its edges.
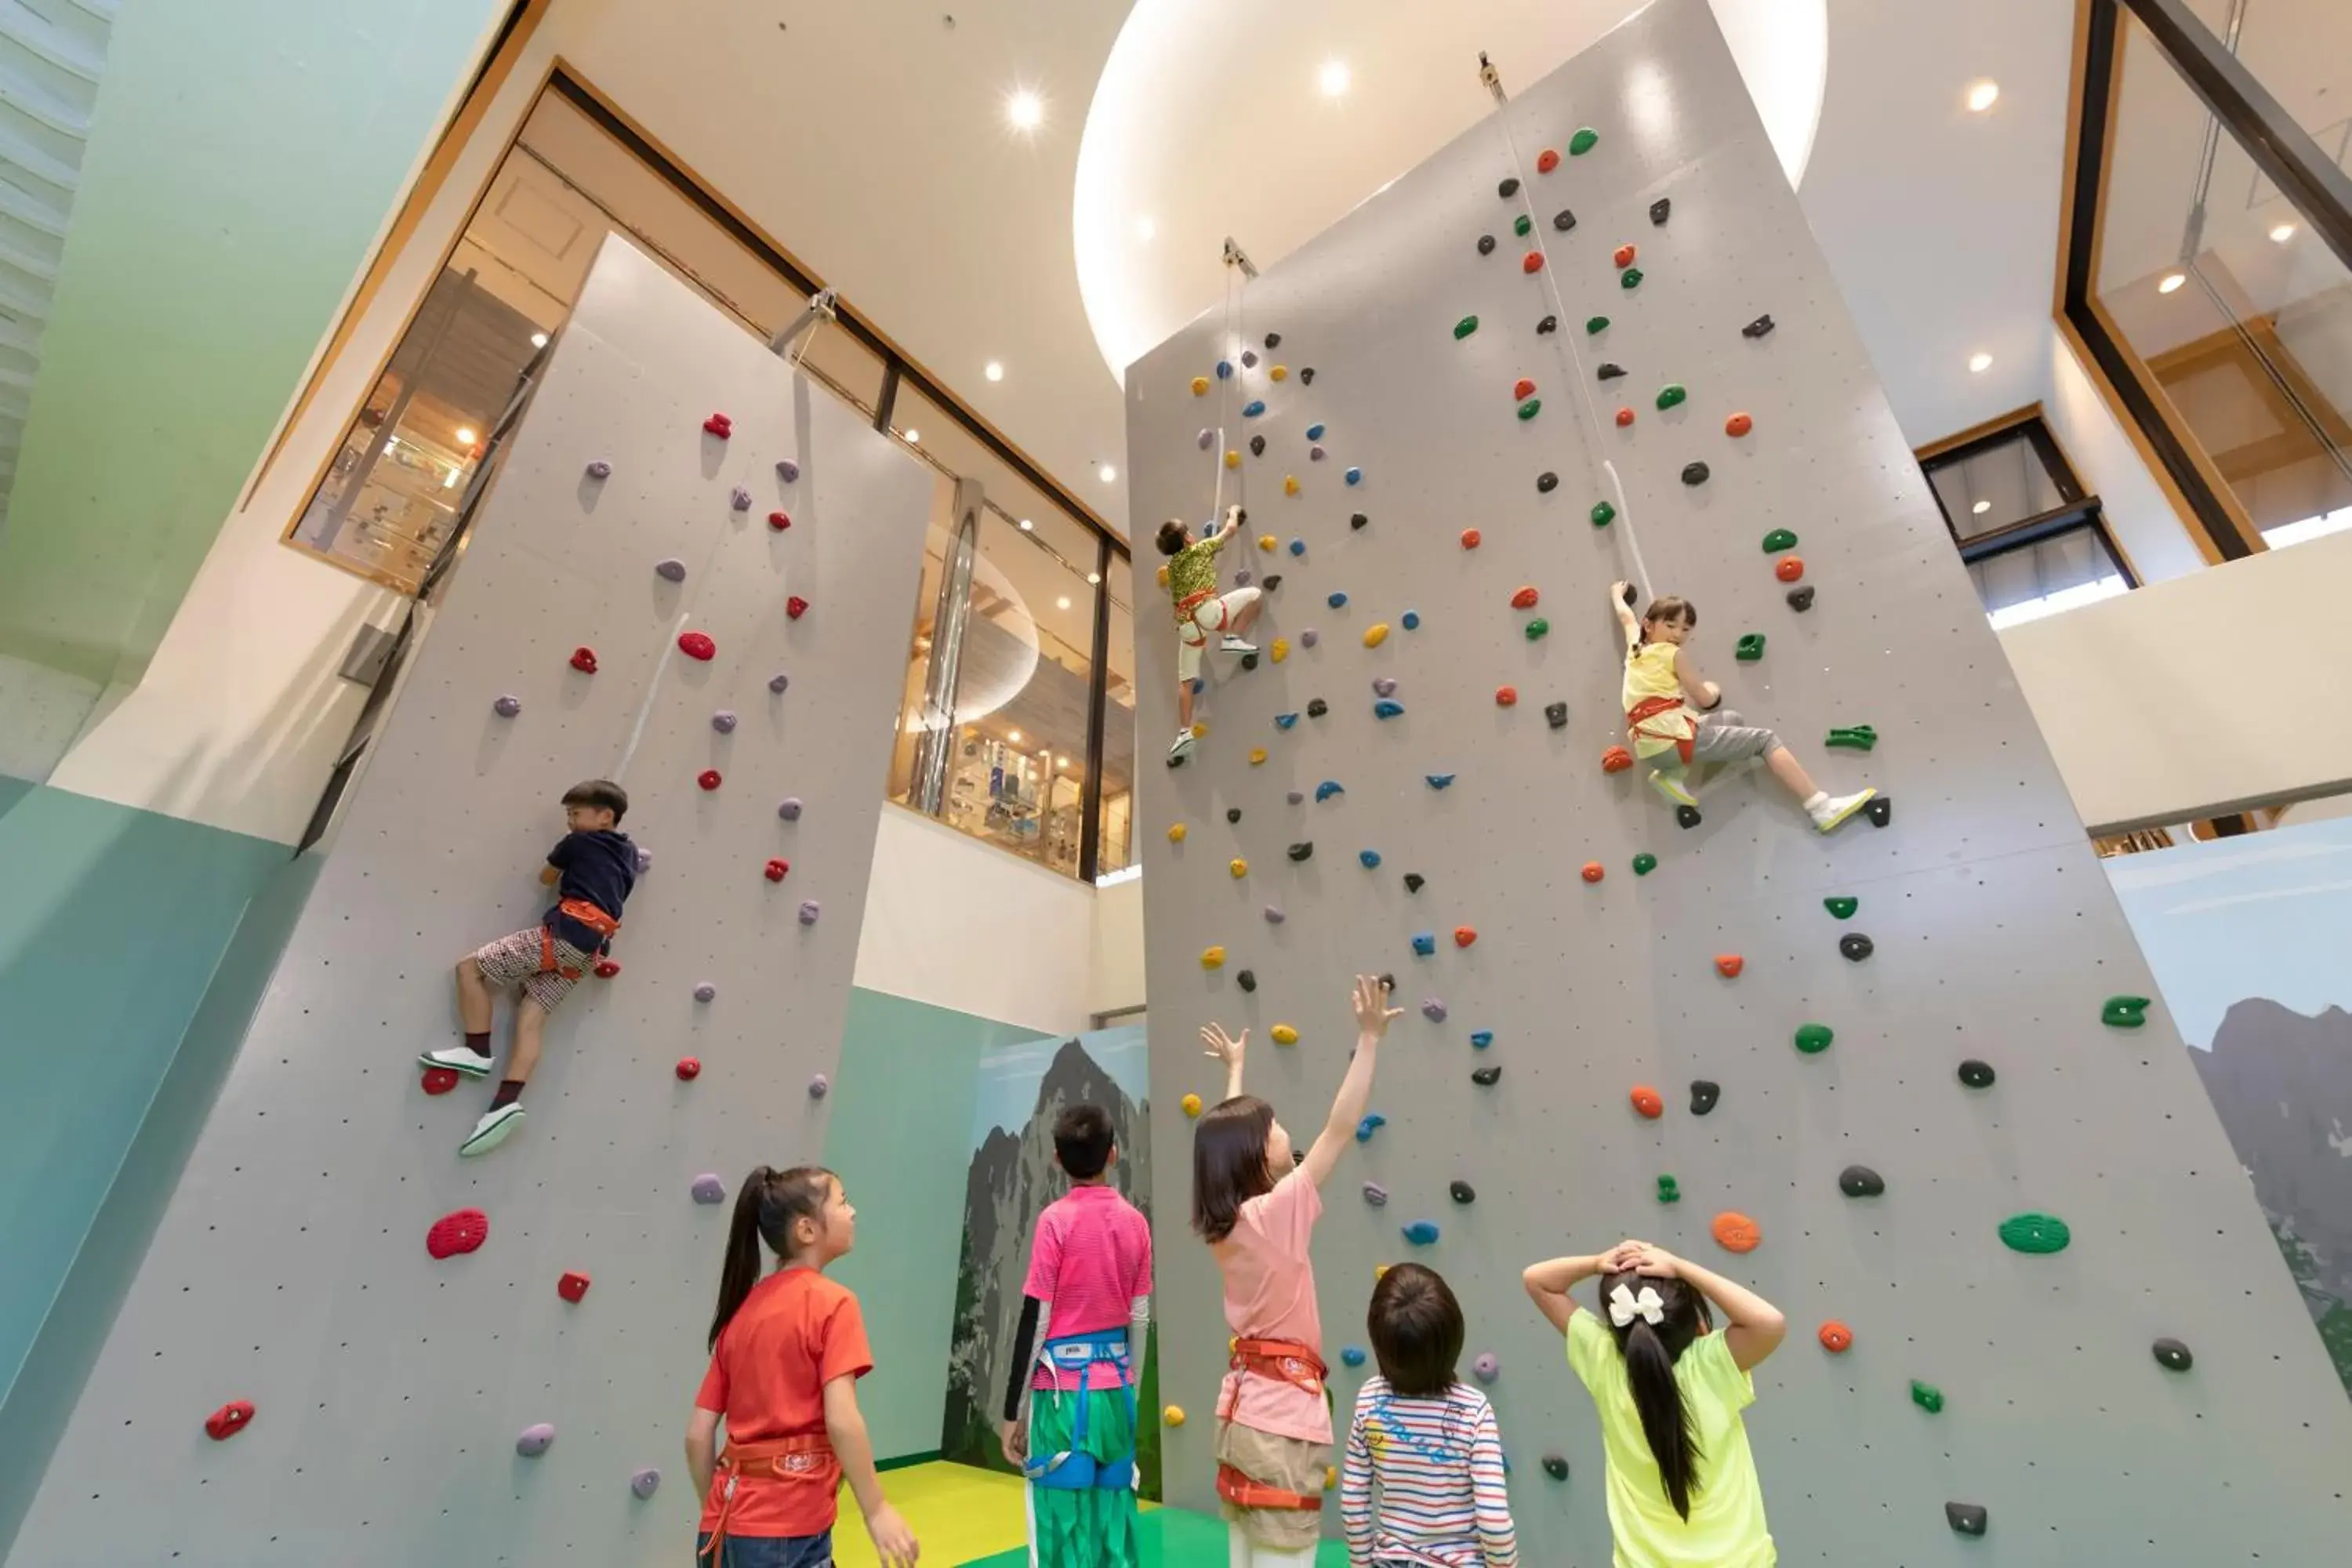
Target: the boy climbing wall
(1201, 609)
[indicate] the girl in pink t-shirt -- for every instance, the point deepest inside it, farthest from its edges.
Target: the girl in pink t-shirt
(1255, 1204)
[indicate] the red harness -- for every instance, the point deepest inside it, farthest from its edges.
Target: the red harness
(1189, 630)
(587, 914)
(1282, 1361)
(1651, 707)
(797, 1458)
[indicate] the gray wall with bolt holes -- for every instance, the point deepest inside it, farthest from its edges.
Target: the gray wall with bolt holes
(291, 1267)
(1996, 935)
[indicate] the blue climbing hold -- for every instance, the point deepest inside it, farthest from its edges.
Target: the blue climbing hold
(1411, 620)
(1355, 476)
(1298, 547)
(1315, 432)
(1327, 788)
(1351, 1355)
(1387, 707)
(1424, 942)
(1224, 370)
(1481, 1038)
(1369, 1125)
(1439, 781)
(1337, 600)
(1253, 408)
(1422, 1232)
(1284, 721)
(1370, 857)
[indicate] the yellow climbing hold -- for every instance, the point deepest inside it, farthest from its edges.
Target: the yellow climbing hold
(1330, 1478)
(1200, 729)
(1162, 576)
(1173, 1415)
(1376, 634)
(1379, 1270)
(1212, 958)
(1191, 1105)
(1200, 386)
(1279, 651)
(1233, 458)
(1290, 484)
(1257, 756)
(1239, 868)
(1267, 541)
(1280, 373)
(1283, 1035)
(1176, 833)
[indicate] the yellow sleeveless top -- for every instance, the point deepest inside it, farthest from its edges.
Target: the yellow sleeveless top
(1650, 673)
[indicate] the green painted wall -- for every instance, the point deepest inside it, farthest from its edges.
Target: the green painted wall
(900, 1139)
(242, 159)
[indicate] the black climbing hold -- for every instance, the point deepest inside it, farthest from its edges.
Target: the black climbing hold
(1273, 339)
(1545, 482)
(1658, 211)
(1508, 188)
(1306, 376)
(1688, 815)
(1563, 220)
(1413, 881)
(1488, 1076)
(1257, 445)
(1485, 245)
(1272, 582)
(1555, 715)
(1802, 599)
(1879, 809)
(1297, 1158)
(2173, 1354)
(1861, 1182)
(1463, 1193)
(1976, 1074)
(1356, 520)
(1232, 814)
(1388, 982)
(1610, 371)
(1547, 326)
(1246, 980)
(1302, 851)
(1756, 328)
(1705, 1092)
(1249, 661)
(1555, 1466)
(1175, 761)
(1855, 946)
(1317, 707)
(1694, 473)
(1967, 1518)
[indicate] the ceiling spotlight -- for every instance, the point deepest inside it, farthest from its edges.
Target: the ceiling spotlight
(1063, 602)
(2170, 281)
(464, 435)
(1093, 577)
(1979, 362)
(994, 372)
(1064, 761)
(539, 340)
(1333, 77)
(1013, 736)
(2282, 234)
(1027, 526)
(1108, 473)
(1981, 96)
(1981, 508)
(1145, 229)
(1026, 110)
(914, 437)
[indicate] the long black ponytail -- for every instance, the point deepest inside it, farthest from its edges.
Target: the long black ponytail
(1650, 1352)
(765, 1208)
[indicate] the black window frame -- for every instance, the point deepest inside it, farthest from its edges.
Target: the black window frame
(2078, 511)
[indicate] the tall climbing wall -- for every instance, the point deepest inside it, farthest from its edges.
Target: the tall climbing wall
(390, 1388)
(1432, 517)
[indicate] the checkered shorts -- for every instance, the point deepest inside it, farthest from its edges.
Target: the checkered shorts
(515, 961)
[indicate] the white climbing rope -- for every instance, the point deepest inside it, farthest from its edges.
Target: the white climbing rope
(1572, 362)
(652, 689)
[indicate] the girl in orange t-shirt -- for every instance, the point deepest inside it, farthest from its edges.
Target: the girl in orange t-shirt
(786, 1352)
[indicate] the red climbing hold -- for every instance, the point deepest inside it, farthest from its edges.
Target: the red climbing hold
(1836, 1338)
(440, 1080)
(718, 425)
(1624, 256)
(1470, 537)
(1506, 696)
(1647, 1101)
(460, 1230)
(776, 870)
(1593, 871)
(688, 1069)
(707, 778)
(1532, 261)
(779, 520)
(1546, 161)
(1624, 417)
(698, 644)
(607, 967)
(1729, 965)
(796, 606)
(571, 1286)
(1789, 569)
(1616, 760)
(583, 659)
(1465, 935)
(1738, 424)
(228, 1420)
(1735, 1231)
(1522, 389)
(1525, 599)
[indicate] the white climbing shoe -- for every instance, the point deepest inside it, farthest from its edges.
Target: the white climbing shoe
(1185, 741)
(1832, 810)
(1236, 645)
(1668, 783)
(457, 1059)
(491, 1131)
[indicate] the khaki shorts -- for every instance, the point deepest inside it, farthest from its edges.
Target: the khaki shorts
(1210, 618)
(1291, 1464)
(515, 961)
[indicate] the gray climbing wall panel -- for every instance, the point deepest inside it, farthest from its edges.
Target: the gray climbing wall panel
(290, 1268)
(1996, 934)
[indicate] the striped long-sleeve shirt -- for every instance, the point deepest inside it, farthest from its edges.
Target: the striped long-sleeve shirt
(1424, 1482)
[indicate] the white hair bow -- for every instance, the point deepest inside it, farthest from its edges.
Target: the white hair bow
(1625, 1307)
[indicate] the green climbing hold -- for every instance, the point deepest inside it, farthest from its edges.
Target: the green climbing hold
(1777, 541)
(1596, 324)
(1751, 649)
(1603, 514)
(2123, 1012)
(1522, 226)
(1814, 1038)
(1672, 395)
(1527, 410)
(1538, 629)
(1629, 278)
(1644, 863)
(1583, 142)
(1843, 906)
(1854, 737)
(1465, 327)
(2032, 1232)
(1669, 1190)
(1928, 1397)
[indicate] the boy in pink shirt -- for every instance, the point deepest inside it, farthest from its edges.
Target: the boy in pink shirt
(1255, 1206)
(1085, 1308)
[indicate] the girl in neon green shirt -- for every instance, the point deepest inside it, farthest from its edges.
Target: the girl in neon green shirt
(1682, 1484)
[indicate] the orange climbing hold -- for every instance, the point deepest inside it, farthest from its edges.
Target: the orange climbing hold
(1789, 569)
(1546, 161)
(1624, 417)
(1465, 935)
(1616, 760)
(1624, 256)
(1522, 389)
(1738, 424)
(1506, 696)
(1593, 871)
(1729, 965)
(1647, 1101)
(607, 967)
(1532, 261)
(1735, 1231)
(1525, 599)
(1470, 538)
(1836, 1338)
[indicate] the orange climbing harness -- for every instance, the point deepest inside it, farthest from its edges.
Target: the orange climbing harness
(1190, 630)
(799, 1457)
(587, 914)
(1283, 1361)
(1650, 708)
(1242, 1493)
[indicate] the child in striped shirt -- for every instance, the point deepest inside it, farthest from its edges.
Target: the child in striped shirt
(1425, 1440)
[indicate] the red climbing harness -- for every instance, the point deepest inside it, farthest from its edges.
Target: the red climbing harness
(587, 914)
(1650, 708)
(1285, 1361)
(1187, 628)
(1242, 1493)
(800, 1457)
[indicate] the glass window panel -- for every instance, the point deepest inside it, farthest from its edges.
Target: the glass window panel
(2301, 51)
(1115, 843)
(1992, 486)
(2048, 576)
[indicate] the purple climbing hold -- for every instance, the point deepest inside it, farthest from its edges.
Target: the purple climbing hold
(1433, 1009)
(777, 682)
(1487, 1367)
(646, 1482)
(1243, 578)
(1384, 686)
(1274, 916)
(1296, 796)
(644, 860)
(600, 469)
(787, 470)
(1309, 638)
(704, 992)
(723, 721)
(819, 1086)
(534, 1440)
(810, 910)
(1206, 439)
(790, 808)
(671, 569)
(1376, 1194)
(709, 1189)
(740, 500)
(507, 707)
(1314, 453)
(1249, 359)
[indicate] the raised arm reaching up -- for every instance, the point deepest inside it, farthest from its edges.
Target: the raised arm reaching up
(1373, 1015)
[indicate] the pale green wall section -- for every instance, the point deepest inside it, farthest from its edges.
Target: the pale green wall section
(900, 1139)
(242, 159)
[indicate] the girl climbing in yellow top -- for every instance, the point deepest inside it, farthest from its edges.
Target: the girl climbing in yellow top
(1675, 717)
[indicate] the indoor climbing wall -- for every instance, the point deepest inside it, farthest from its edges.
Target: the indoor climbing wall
(1879, 1074)
(736, 549)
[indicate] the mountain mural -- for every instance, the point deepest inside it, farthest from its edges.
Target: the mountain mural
(2281, 1083)
(1012, 1178)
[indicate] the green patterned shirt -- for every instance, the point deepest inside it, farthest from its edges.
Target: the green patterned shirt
(1193, 571)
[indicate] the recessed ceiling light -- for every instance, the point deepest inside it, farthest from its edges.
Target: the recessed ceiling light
(1982, 94)
(539, 340)
(1063, 602)
(1093, 577)
(1062, 761)
(994, 372)
(1333, 77)
(1108, 473)
(1026, 110)
(464, 435)
(1026, 525)
(1981, 508)
(1145, 229)
(914, 437)
(2170, 281)
(2282, 234)
(1979, 362)
(1014, 736)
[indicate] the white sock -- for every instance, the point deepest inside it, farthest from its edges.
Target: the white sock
(1817, 800)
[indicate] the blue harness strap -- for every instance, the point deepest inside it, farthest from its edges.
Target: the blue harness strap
(1072, 1469)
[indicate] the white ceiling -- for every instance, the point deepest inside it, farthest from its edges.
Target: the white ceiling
(871, 140)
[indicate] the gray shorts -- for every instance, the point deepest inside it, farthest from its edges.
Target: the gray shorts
(1723, 739)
